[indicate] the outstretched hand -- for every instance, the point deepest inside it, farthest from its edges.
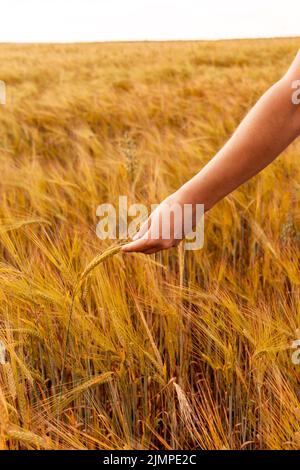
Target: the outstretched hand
(162, 230)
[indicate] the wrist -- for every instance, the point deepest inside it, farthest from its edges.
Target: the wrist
(185, 195)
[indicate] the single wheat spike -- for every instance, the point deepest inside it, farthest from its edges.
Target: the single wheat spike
(92, 265)
(19, 434)
(99, 259)
(21, 223)
(184, 406)
(4, 418)
(95, 262)
(72, 394)
(10, 379)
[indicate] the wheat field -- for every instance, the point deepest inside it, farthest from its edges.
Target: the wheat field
(179, 350)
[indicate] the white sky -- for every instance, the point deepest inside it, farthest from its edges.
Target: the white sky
(107, 20)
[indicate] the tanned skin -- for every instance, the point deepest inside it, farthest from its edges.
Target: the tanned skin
(268, 129)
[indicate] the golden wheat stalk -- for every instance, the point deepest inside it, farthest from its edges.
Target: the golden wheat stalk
(89, 268)
(72, 394)
(96, 261)
(23, 435)
(17, 224)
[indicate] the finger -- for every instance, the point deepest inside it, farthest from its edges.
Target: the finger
(156, 249)
(140, 245)
(152, 251)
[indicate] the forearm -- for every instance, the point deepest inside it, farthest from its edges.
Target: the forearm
(271, 125)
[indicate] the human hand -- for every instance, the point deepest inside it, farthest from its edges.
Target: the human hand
(162, 230)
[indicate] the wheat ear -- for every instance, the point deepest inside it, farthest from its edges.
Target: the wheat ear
(89, 268)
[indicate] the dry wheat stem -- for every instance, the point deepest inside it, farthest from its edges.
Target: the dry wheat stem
(92, 265)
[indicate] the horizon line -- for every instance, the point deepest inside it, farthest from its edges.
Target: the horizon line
(122, 41)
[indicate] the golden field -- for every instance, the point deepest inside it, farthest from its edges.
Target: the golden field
(181, 350)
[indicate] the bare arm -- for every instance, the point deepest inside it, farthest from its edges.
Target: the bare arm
(271, 125)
